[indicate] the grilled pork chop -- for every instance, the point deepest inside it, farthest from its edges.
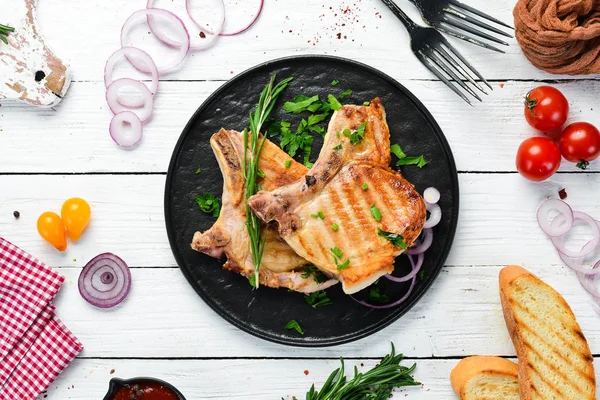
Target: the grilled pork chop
(331, 210)
(280, 266)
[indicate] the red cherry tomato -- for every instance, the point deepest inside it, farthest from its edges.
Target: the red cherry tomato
(546, 108)
(52, 229)
(538, 158)
(580, 143)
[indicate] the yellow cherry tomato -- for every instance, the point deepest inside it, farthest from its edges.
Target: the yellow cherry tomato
(52, 229)
(76, 215)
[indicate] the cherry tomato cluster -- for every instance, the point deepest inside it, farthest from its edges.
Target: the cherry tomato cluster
(75, 215)
(547, 109)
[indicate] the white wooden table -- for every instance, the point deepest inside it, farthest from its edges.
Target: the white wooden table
(164, 329)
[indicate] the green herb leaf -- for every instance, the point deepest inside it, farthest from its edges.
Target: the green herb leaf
(397, 151)
(261, 173)
(5, 31)
(396, 239)
(311, 270)
(334, 82)
(365, 186)
(333, 102)
(209, 203)
(198, 171)
(316, 118)
(376, 296)
(335, 226)
(421, 274)
(252, 280)
(375, 212)
(343, 265)
(300, 103)
(337, 252)
(318, 299)
(338, 147)
(367, 103)
(314, 215)
(321, 215)
(418, 161)
(345, 93)
(359, 134)
(293, 324)
(288, 163)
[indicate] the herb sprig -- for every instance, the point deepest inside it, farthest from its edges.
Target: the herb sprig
(318, 299)
(377, 383)
(209, 203)
(293, 324)
(403, 159)
(252, 138)
(5, 31)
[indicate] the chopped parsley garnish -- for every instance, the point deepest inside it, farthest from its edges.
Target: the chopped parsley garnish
(365, 186)
(403, 159)
(338, 147)
(333, 102)
(198, 171)
(375, 212)
(343, 265)
(334, 82)
(359, 134)
(337, 252)
(345, 94)
(376, 296)
(321, 215)
(288, 163)
(318, 299)
(314, 215)
(316, 118)
(421, 274)
(293, 324)
(367, 103)
(260, 173)
(394, 238)
(311, 270)
(335, 226)
(300, 103)
(209, 203)
(292, 142)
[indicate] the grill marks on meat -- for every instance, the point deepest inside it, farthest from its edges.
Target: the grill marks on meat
(280, 266)
(337, 192)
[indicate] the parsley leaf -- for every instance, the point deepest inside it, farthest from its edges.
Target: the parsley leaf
(321, 215)
(335, 226)
(288, 163)
(300, 103)
(421, 274)
(311, 270)
(394, 238)
(418, 161)
(359, 134)
(293, 324)
(343, 265)
(209, 203)
(316, 118)
(334, 82)
(198, 171)
(338, 147)
(397, 151)
(337, 252)
(318, 299)
(365, 186)
(345, 93)
(333, 102)
(367, 103)
(375, 212)
(376, 296)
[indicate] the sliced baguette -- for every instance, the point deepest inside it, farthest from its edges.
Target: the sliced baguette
(555, 361)
(485, 378)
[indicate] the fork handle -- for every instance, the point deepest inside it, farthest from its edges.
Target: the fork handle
(408, 23)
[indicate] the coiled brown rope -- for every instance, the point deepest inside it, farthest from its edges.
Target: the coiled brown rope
(560, 36)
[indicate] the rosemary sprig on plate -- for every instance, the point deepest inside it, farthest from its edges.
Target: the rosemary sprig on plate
(375, 384)
(5, 31)
(253, 143)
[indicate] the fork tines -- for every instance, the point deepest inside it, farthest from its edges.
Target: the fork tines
(448, 65)
(458, 19)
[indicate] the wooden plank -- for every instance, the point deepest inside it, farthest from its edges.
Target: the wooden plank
(238, 379)
(74, 137)
(377, 38)
(497, 222)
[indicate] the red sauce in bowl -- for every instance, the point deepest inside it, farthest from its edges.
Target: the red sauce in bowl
(145, 391)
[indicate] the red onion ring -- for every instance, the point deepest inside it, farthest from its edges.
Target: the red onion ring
(431, 195)
(394, 304)
(435, 216)
(547, 225)
(244, 28)
(112, 95)
(183, 40)
(105, 281)
(117, 129)
(213, 35)
(424, 245)
(576, 264)
(587, 248)
(415, 269)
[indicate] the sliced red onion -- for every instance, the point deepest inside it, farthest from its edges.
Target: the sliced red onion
(112, 95)
(431, 195)
(588, 282)
(237, 31)
(415, 269)
(587, 248)
(394, 304)
(183, 37)
(105, 281)
(122, 136)
(130, 53)
(552, 227)
(576, 264)
(211, 35)
(435, 216)
(424, 245)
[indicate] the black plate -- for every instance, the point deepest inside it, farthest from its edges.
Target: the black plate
(266, 311)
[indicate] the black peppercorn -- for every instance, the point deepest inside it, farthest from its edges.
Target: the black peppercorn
(17, 214)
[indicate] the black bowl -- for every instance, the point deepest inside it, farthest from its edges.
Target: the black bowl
(117, 383)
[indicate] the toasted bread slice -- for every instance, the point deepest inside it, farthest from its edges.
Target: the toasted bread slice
(485, 378)
(555, 361)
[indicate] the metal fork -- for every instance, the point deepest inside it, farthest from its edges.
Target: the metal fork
(434, 51)
(455, 18)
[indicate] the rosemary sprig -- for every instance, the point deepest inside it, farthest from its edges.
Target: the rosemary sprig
(5, 31)
(375, 384)
(253, 143)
